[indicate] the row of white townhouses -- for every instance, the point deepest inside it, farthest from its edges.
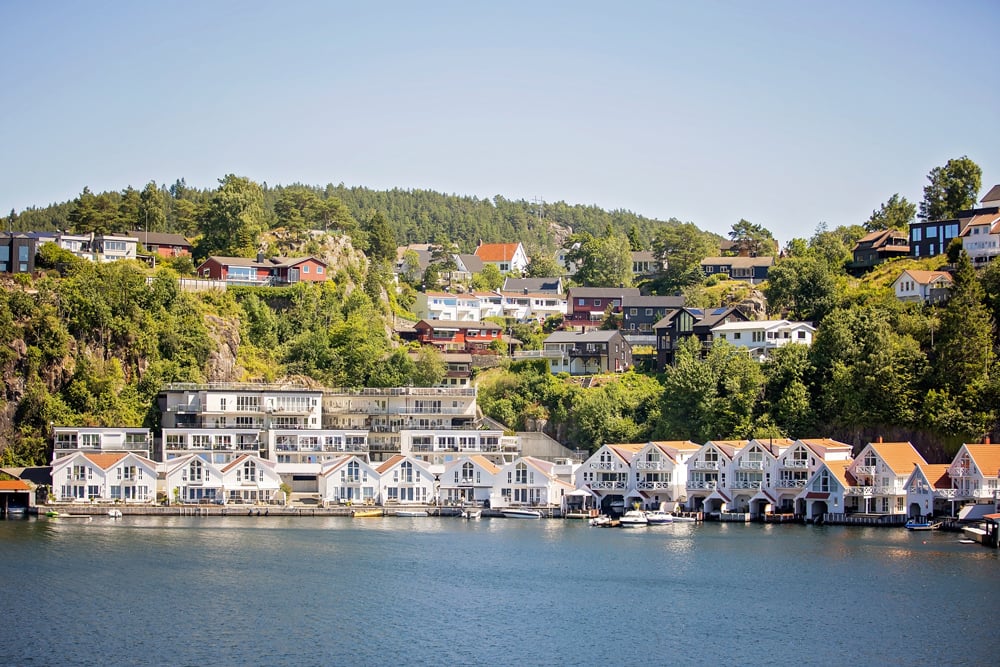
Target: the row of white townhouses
(815, 479)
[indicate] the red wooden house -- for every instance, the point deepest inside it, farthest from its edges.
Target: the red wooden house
(458, 336)
(260, 271)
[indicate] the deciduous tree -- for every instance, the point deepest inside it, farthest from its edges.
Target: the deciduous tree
(951, 188)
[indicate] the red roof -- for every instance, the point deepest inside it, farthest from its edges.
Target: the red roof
(14, 485)
(497, 252)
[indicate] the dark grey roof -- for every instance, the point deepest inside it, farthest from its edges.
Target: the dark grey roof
(472, 263)
(653, 302)
(458, 324)
(533, 285)
(738, 262)
(595, 336)
(992, 195)
(159, 238)
(604, 292)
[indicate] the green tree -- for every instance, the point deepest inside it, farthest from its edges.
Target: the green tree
(802, 286)
(543, 265)
(963, 350)
(752, 239)
(489, 279)
(429, 368)
(94, 214)
(602, 262)
(951, 188)
(234, 220)
(680, 248)
(897, 213)
(381, 241)
(151, 215)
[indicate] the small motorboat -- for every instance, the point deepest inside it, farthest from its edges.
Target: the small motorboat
(659, 517)
(365, 514)
(521, 514)
(922, 525)
(411, 513)
(683, 519)
(634, 519)
(114, 514)
(16, 510)
(472, 513)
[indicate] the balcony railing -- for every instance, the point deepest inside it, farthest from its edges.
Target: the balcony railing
(750, 465)
(702, 485)
(602, 465)
(795, 463)
(874, 491)
(791, 483)
(747, 484)
(704, 465)
(651, 465)
(864, 470)
(608, 485)
(643, 485)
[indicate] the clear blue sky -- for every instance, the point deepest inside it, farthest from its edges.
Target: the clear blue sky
(787, 114)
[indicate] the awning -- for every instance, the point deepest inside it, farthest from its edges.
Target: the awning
(582, 492)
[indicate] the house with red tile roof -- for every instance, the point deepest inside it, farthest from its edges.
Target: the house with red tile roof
(529, 482)
(104, 477)
(608, 475)
(975, 473)
(508, 257)
(825, 492)
(880, 472)
(469, 479)
(263, 271)
(660, 473)
(914, 285)
(405, 480)
(981, 238)
(16, 496)
(929, 492)
(709, 475)
(797, 464)
(348, 479)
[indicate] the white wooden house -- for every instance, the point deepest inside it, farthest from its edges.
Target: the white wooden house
(975, 473)
(608, 475)
(825, 491)
(660, 472)
(250, 479)
(469, 479)
(109, 477)
(709, 475)
(880, 472)
(349, 479)
(529, 482)
(928, 491)
(193, 479)
(406, 480)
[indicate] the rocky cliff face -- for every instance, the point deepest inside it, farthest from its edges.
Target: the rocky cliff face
(222, 365)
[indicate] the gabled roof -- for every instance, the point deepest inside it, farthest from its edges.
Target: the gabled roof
(14, 485)
(390, 463)
(602, 292)
(992, 195)
(986, 458)
(739, 262)
(936, 475)
(595, 336)
(728, 447)
(458, 324)
(497, 252)
(652, 301)
(991, 220)
(926, 277)
(105, 461)
(899, 456)
(477, 459)
(766, 325)
(540, 285)
(268, 263)
(626, 452)
(471, 263)
(243, 457)
(160, 238)
(839, 470)
(820, 446)
(338, 463)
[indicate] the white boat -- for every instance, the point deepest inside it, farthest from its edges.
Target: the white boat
(684, 519)
(16, 510)
(521, 514)
(411, 512)
(658, 517)
(115, 514)
(472, 514)
(634, 519)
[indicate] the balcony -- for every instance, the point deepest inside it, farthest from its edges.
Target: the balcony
(601, 465)
(747, 484)
(608, 486)
(874, 491)
(651, 465)
(709, 485)
(864, 470)
(647, 486)
(791, 483)
(795, 463)
(750, 465)
(704, 465)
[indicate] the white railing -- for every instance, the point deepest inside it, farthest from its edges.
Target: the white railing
(608, 485)
(653, 485)
(602, 466)
(791, 483)
(704, 465)
(747, 484)
(865, 470)
(874, 491)
(651, 465)
(796, 463)
(945, 493)
(750, 465)
(702, 485)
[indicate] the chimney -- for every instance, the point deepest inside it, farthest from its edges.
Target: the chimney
(986, 440)
(260, 257)
(879, 439)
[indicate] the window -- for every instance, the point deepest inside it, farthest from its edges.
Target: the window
(758, 336)
(114, 246)
(305, 268)
(597, 302)
(319, 270)
(951, 231)
(916, 234)
(931, 232)
(801, 335)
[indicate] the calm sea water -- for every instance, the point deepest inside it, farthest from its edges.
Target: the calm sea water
(394, 591)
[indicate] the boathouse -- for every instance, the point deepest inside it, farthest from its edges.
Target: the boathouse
(16, 497)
